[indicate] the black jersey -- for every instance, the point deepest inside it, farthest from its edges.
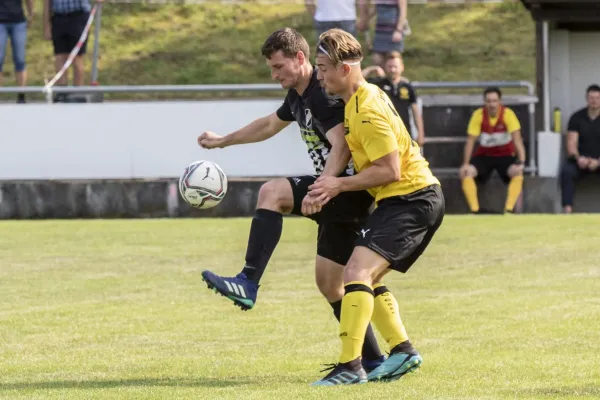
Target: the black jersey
(403, 96)
(316, 113)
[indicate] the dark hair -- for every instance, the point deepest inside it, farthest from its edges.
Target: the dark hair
(288, 40)
(592, 88)
(493, 89)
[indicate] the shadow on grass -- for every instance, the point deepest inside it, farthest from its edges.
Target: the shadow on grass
(140, 382)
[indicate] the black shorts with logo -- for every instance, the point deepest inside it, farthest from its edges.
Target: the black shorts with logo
(401, 227)
(339, 221)
(485, 165)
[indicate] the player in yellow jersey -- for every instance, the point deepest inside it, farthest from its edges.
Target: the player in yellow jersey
(410, 209)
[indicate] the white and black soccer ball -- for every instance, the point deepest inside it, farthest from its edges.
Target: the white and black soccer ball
(203, 184)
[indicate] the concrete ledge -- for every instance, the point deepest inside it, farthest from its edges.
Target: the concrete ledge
(160, 198)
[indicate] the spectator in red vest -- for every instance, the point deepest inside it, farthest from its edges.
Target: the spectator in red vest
(497, 131)
(583, 146)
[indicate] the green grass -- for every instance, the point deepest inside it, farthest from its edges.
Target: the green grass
(500, 308)
(207, 44)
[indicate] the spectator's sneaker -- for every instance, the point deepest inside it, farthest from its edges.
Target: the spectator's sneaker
(398, 364)
(343, 374)
(370, 365)
(238, 289)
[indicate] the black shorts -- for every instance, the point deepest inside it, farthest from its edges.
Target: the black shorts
(485, 165)
(401, 227)
(66, 31)
(339, 221)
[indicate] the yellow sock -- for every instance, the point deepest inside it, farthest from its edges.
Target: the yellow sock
(470, 190)
(386, 317)
(514, 191)
(357, 309)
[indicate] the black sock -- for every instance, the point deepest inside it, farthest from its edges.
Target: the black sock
(370, 350)
(264, 236)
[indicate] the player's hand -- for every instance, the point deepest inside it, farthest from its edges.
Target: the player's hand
(397, 36)
(210, 140)
(583, 162)
(593, 164)
(310, 205)
(325, 188)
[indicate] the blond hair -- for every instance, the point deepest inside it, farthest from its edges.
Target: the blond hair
(340, 46)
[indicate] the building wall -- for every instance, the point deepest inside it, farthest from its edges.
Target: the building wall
(574, 65)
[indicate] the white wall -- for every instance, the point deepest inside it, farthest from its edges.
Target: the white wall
(139, 140)
(574, 65)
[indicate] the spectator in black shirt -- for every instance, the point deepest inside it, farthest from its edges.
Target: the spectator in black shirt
(583, 146)
(399, 90)
(13, 25)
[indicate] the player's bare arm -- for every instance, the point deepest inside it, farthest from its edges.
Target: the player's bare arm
(519, 146)
(257, 131)
(419, 122)
(381, 172)
(337, 161)
(339, 156)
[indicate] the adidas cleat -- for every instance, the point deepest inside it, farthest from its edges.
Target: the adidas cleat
(238, 289)
(343, 374)
(396, 366)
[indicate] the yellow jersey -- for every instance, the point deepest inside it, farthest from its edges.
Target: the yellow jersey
(373, 130)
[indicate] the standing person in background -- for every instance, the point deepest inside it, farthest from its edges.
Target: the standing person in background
(13, 25)
(64, 22)
(390, 28)
(328, 14)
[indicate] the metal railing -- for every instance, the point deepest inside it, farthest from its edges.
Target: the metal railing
(266, 87)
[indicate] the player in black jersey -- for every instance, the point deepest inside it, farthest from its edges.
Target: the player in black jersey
(321, 121)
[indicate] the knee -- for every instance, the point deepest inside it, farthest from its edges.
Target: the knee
(332, 291)
(468, 172)
(514, 171)
(275, 195)
(354, 273)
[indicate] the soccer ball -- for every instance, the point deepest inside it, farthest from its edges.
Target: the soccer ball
(203, 184)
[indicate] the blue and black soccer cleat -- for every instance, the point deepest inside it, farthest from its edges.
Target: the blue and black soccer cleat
(343, 374)
(239, 289)
(396, 366)
(370, 365)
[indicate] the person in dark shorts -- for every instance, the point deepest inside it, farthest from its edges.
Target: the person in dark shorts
(497, 131)
(64, 22)
(410, 209)
(320, 118)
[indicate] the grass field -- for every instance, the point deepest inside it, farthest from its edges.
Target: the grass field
(215, 43)
(500, 308)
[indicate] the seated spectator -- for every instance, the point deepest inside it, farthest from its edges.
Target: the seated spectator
(329, 14)
(390, 27)
(498, 131)
(400, 91)
(13, 25)
(583, 146)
